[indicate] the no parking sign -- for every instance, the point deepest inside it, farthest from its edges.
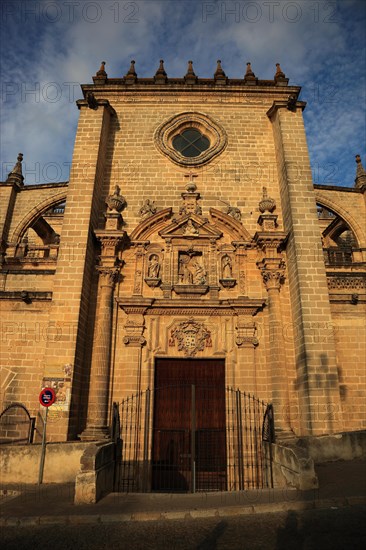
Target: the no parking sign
(47, 397)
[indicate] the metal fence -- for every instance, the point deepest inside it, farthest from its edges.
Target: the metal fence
(195, 438)
(16, 425)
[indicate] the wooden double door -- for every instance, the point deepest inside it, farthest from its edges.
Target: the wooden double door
(189, 425)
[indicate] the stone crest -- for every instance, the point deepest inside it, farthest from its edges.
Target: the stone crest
(191, 337)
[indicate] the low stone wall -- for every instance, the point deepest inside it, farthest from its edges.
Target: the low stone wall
(293, 467)
(328, 448)
(96, 475)
(20, 463)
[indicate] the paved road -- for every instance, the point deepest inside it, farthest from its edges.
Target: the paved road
(331, 529)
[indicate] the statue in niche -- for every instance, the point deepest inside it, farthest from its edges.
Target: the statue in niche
(185, 274)
(153, 267)
(227, 268)
(199, 276)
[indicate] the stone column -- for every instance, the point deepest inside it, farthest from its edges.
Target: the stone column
(97, 420)
(273, 276)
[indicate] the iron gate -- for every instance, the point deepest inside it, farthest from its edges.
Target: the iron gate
(189, 438)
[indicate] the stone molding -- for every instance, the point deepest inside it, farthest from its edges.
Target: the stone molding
(201, 121)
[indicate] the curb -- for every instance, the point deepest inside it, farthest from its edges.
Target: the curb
(229, 511)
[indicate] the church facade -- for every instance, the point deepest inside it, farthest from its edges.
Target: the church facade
(190, 246)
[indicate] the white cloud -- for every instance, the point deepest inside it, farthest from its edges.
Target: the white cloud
(313, 52)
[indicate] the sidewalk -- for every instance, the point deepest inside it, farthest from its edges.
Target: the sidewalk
(341, 484)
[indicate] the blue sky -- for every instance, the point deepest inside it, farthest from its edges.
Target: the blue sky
(48, 48)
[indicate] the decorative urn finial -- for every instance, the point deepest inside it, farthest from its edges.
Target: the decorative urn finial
(116, 202)
(267, 204)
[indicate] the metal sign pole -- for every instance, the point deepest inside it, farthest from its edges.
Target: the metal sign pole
(193, 438)
(43, 451)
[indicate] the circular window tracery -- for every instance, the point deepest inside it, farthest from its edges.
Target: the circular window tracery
(190, 139)
(190, 143)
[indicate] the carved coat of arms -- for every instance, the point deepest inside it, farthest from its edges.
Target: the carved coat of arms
(191, 337)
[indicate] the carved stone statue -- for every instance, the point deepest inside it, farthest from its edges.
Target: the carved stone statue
(227, 270)
(148, 208)
(153, 267)
(234, 212)
(199, 276)
(185, 274)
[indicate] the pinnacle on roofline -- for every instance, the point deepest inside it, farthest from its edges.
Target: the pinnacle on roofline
(360, 180)
(16, 175)
(190, 77)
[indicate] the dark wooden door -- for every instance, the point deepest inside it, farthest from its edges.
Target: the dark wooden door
(189, 440)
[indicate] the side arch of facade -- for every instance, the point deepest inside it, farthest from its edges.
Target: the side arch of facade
(35, 213)
(337, 208)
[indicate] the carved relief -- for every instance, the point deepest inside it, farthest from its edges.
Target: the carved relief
(190, 228)
(137, 287)
(246, 335)
(234, 212)
(148, 209)
(191, 337)
(134, 329)
(191, 270)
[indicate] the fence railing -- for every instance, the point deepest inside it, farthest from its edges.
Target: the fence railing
(16, 425)
(193, 438)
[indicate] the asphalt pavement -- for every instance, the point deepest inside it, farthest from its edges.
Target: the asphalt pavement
(341, 484)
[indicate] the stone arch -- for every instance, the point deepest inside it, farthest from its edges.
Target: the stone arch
(345, 215)
(150, 225)
(35, 213)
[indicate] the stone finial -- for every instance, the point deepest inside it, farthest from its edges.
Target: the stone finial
(249, 77)
(267, 204)
(249, 71)
(116, 202)
(160, 75)
(360, 180)
(16, 175)
(190, 76)
(131, 75)
(279, 72)
(280, 77)
(219, 73)
(101, 73)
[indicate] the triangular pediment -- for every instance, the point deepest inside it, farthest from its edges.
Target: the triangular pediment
(190, 226)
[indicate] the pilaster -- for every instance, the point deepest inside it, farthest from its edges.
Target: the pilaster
(72, 310)
(316, 367)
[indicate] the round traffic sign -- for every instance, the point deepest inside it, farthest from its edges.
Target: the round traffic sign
(47, 397)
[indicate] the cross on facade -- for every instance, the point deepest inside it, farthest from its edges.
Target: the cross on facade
(191, 175)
